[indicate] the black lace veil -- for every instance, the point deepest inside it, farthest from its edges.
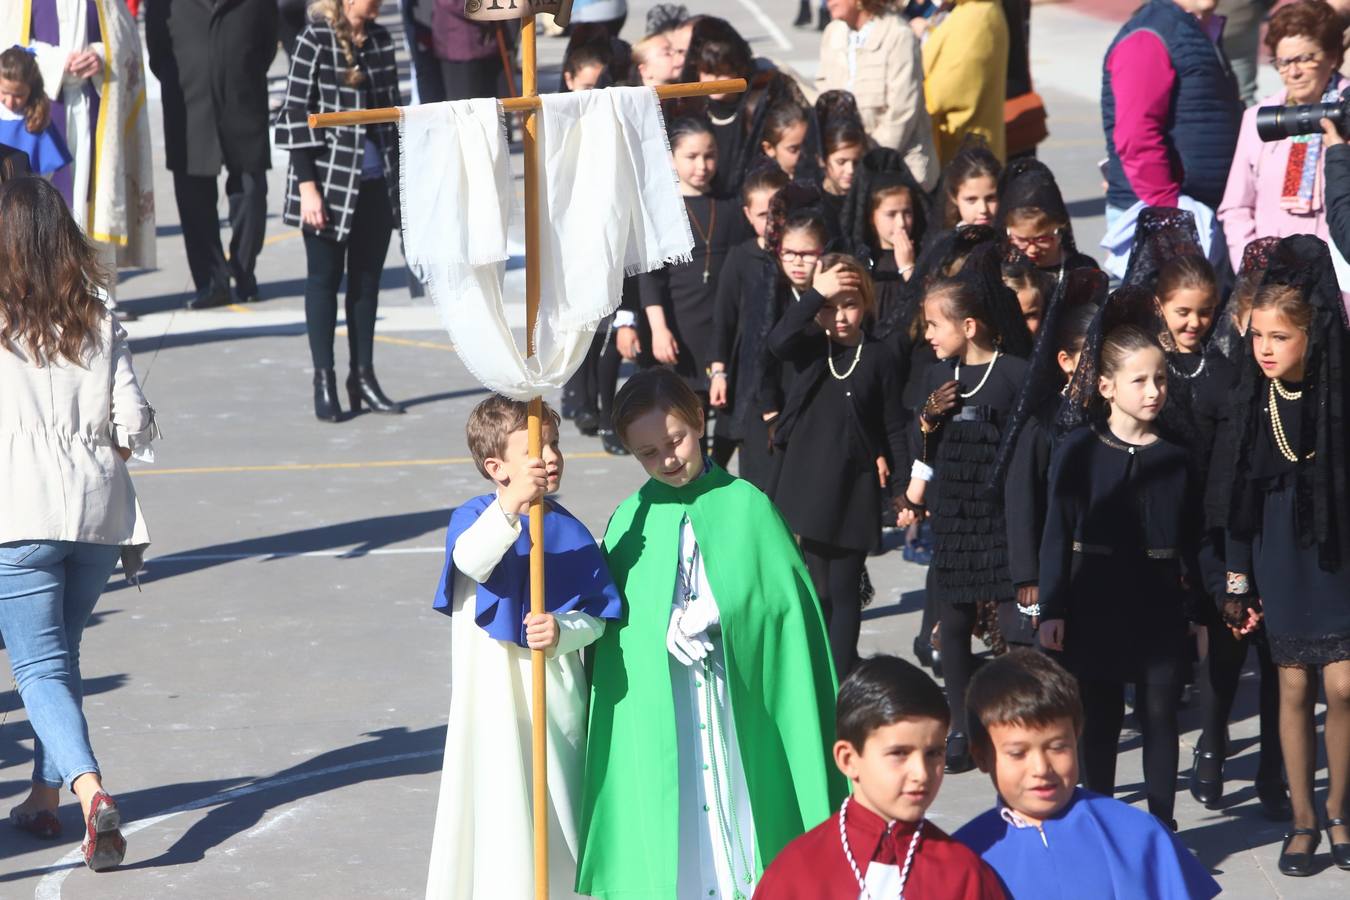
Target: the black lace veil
(1028, 182)
(1161, 234)
(880, 168)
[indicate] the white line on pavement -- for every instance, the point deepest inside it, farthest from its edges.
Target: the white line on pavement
(766, 23)
(285, 554)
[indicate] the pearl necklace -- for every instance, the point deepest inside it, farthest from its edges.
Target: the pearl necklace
(829, 357)
(1284, 392)
(1276, 425)
(852, 864)
(1196, 374)
(982, 380)
(727, 121)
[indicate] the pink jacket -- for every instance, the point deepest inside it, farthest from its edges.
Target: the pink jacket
(1251, 202)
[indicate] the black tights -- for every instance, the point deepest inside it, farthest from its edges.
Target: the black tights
(1227, 655)
(361, 255)
(956, 624)
(836, 573)
(1298, 735)
(1103, 714)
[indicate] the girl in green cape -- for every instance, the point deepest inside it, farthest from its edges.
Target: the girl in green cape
(712, 703)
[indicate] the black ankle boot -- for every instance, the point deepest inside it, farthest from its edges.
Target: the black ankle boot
(958, 754)
(824, 20)
(803, 15)
(326, 406)
(363, 388)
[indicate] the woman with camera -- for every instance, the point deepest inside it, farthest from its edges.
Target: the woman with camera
(1278, 189)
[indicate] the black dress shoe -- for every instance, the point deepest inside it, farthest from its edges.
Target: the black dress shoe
(803, 15)
(326, 406)
(1207, 778)
(610, 441)
(1274, 799)
(587, 422)
(1340, 853)
(824, 19)
(363, 388)
(958, 754)
(216, 294)
(1298, 864)
(923, 651)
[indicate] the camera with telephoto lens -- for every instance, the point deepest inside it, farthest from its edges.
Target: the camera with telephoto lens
(1275, 123)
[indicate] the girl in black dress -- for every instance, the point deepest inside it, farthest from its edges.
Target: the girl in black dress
(843, 141)
(841, 415)
(1031, 436)
(732, 387)
(679, 301)
(784, 136)
(976, 329)
(970, 185)
(1118, 528)
(1288, 522)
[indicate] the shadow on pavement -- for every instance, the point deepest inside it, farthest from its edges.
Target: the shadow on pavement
(360, 535)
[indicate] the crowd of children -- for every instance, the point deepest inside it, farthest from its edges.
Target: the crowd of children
(1123, 491)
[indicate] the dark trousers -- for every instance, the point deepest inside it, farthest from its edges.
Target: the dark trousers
(197, 196)
(836, 574)
(591, 387)
(1227, 655)
(362, 256)
(1155, 705)
(471, 78)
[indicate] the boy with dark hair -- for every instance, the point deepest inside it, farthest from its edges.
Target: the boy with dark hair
(891, 723)
(1047, 838)
(482, 836)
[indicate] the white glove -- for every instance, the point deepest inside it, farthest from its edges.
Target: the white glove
(685, 647)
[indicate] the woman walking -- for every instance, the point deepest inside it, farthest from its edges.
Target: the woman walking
(342, 189)
(70, 415)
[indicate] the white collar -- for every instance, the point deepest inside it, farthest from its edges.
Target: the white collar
(7, 116)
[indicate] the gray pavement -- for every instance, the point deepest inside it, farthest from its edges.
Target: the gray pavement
(270, 707)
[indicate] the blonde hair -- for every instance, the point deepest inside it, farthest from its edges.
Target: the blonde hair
(331, 12)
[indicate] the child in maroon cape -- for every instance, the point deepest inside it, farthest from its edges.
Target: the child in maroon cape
(891, 724)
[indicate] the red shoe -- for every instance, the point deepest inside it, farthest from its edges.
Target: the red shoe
(104, 847)
(41, 824)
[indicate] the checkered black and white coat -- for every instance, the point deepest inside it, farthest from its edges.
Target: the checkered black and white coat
(317, 84)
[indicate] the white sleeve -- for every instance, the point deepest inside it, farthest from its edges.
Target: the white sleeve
(576, 630)
(485, 542)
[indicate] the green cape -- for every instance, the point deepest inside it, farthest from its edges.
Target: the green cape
(781, 681)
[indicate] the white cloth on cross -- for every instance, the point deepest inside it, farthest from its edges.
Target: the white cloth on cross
(609, 207)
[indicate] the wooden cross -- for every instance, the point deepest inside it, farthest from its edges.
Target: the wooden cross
(529, 104)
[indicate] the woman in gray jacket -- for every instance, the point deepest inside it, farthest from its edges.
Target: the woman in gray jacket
(71, 413)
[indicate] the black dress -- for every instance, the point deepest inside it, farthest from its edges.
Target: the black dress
(1307, 609)
(688, 292)
(970, 562)
(741, 322)
(1119, 526)
(832, 431)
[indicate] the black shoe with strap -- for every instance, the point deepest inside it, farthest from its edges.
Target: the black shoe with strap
(1299, 864)
(1340, 853)
(958, 754)
(1207, 778)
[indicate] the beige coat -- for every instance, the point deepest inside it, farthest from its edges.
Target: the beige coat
(61, 478)
(887, 81)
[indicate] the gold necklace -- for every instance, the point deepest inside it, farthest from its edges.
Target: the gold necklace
(706, 237)
(1277, 425)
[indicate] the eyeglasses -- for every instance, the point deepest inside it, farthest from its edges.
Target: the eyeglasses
(1303, 61)
(808, 257)
(1043, 241)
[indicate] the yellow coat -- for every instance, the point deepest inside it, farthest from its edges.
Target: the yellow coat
(965, 76)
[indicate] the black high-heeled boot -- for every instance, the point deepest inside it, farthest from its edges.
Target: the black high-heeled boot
(363, 388)
(326, 406)
(803, 15)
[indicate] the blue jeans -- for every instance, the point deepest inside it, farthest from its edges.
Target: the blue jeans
(47, 592)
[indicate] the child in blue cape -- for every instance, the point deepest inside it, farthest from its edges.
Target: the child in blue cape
(1048, 839)
(484, 832)
(25, 113)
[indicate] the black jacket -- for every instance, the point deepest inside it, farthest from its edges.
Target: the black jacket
(211, 59)
(1338, 196)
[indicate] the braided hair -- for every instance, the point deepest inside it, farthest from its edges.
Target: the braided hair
(331, 12)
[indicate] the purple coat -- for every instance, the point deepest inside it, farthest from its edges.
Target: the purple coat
(455, 38)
